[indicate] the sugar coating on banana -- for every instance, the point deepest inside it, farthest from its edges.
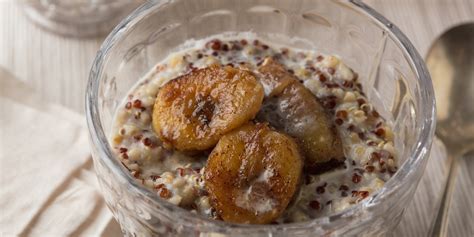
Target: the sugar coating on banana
(252, 174)
(193, 111)
(292, 108)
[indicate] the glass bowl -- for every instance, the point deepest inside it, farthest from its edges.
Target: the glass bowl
(78, 18)
(392, 73)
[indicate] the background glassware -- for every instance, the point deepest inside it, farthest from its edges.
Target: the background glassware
(392, 73)
(79, 18)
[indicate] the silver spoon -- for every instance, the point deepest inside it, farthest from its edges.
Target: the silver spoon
(451, 64)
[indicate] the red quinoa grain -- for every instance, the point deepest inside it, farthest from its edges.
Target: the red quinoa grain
(315, 205)
(123, 149)
(342, 114)
(370, 168)
(344, 188)
(215, 44)
(147, 141)
(363, 194)
(165, 193)
(137, 103)
(356, 178)
(379, 132)
(322, 78)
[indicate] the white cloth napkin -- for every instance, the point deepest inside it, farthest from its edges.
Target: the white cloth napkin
(47, 185)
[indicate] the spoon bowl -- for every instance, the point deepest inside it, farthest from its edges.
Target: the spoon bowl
(451, 64)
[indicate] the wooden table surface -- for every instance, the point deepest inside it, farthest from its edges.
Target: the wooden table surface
(58, 68)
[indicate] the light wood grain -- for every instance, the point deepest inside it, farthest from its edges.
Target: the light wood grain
(423, 20)
(58, 68)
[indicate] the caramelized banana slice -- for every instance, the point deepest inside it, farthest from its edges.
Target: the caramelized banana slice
(296, 111)
(193, 111)
(252, 174)
(274, 77)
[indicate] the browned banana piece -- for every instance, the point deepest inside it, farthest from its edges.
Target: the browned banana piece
(293, 109)
(193, 111)
(252, 174)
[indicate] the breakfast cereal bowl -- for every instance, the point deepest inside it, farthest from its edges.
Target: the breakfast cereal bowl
(393, 76)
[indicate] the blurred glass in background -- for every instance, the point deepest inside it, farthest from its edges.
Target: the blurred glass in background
(78, 18)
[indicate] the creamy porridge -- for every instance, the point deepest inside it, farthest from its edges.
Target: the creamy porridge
(361, 156)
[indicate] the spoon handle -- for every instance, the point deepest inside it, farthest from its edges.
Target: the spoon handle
(439, 227)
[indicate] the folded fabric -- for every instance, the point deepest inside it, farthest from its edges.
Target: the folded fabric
(47, 184)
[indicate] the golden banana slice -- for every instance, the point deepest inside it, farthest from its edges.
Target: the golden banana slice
(293, 109)
(252, 174)
(192, 112)
(274, 77)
